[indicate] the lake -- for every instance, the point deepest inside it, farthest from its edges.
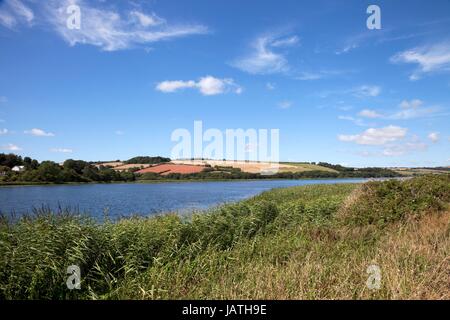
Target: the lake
(125, 199)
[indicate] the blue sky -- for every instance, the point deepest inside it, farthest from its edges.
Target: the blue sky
(135, 71)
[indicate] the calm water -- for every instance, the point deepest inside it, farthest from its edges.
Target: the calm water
(144, 199)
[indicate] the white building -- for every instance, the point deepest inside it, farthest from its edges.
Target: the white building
(18, 168)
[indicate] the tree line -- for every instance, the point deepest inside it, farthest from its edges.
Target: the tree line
(49, 171)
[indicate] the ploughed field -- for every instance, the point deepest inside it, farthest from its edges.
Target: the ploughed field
(308, 242)
(168, 168)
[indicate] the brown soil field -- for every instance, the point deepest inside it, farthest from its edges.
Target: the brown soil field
(167, 168)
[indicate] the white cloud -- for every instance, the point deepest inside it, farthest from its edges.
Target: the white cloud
(366, 91)
(3, 131)
(286, 42)
(270, 86)
(101, 26)
(285, 104)
(397, 150)
(366, 113)
(412, 113)
(408, 110)
(434, 137)
(211, 86)
(263, 59)
(362, 91)
(14, 12)
(113, 30)
(320, 74)
(309, 76)
(412, 104)
(347, 48)
(146, 20)
(172, 86)
(207, 86)
(430, 59)
(39, 133)
(356, 121)
(10, 147)
(61, 150)
(346, 118)
(374, 136)
(120, 132)
(412, 109)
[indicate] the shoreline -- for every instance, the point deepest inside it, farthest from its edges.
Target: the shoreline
(32, 184)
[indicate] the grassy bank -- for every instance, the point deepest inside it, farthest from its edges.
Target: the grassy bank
(311, 242)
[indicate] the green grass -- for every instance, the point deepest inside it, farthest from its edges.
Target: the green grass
(310, 242)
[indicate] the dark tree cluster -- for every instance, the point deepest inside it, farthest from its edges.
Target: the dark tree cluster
(52, 172)
(147, 160)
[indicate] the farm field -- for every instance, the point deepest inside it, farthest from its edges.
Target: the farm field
(168, 168)
(125, 167)
(418, 171)
(257, 167)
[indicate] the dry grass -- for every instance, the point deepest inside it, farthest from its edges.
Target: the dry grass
(125, 167)
(110, 164)
(313, 242)
(413, 257)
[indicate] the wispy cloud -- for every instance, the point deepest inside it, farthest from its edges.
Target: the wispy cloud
(429, 59)
(412, 109)
(367, 113)
(409, 109)
(14, 13)
(358, 40)
(347, 48)
(3, 131)
(39, 133)
(101, 26)
(319, 74)
(399, 149)
(362, 91)
(3, 99)
(434, 137)
(10, 147)
(356, 121)
(286, 42)
(61, 150)
(270, 86)
(263, 59)
(207, 86)
(112, 30)
(285, 104)
(366, 91)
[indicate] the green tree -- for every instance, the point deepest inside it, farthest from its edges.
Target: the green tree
(49, 171)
